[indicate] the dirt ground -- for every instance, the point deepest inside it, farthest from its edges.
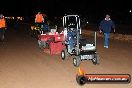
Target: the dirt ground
(24, 65)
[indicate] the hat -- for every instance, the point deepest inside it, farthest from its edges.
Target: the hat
(107, 15)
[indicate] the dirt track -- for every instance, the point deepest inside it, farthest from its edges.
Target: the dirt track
(23, 65)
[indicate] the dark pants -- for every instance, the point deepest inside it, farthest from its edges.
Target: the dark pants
(39, 24)
(2, 33)
(106, 39)
(43, 26)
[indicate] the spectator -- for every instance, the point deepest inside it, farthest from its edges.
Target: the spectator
(106, 26)
(2, 27)
(39, 19)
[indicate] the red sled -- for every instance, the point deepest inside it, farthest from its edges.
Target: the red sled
(51, 43)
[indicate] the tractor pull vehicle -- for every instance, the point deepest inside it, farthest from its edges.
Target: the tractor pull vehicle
(75, 44)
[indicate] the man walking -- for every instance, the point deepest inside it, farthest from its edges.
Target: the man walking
(106, 26)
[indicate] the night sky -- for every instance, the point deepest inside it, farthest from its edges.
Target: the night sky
(118, 9)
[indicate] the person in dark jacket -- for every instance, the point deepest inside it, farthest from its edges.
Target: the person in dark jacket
(106, 26)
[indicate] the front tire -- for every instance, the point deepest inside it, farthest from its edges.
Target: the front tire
(76, 61)
(64, 54)
(96, 59)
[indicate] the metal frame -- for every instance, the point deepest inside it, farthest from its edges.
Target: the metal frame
(78, 53)
(77, 27)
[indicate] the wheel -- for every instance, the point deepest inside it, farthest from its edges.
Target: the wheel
(81, 80)
(95, 60)
(64, 54)
(76, 61)
(41, 44)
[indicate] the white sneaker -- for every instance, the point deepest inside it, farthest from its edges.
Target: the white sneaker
(106, 47)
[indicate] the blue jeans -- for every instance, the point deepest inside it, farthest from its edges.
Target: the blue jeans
(71, 40)
(106, 39)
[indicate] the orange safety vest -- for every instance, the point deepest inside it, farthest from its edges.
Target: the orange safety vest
(39, 18)
(2, 23)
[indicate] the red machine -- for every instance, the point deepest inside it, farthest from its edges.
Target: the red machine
(51, 42)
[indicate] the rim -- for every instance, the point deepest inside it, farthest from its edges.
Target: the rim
(94, 59)
(62, 54)
(74, 61)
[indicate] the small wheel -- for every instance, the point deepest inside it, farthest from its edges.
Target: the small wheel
(76, 61)
(64, 54)
(81, 80)
(41, 44)
(95, 60)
